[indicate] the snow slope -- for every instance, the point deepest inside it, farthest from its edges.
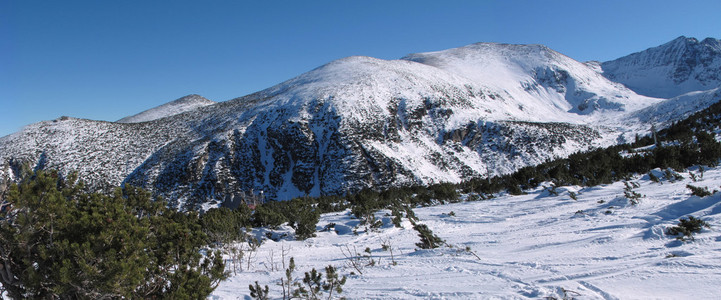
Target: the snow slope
(529, 247)
(174, 107)
(677, 108)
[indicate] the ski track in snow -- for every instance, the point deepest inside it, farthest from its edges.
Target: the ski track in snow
(530, 246)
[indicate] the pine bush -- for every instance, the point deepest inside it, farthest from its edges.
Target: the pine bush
(58, 241)
(687, 227)
(699, 191)
(428, 239)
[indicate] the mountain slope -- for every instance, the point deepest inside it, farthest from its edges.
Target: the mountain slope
(174, 107)
(677, 108)
(672, 69)
(353, 123)
(364, 122)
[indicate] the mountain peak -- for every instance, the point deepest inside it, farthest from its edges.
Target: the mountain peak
(693, 42)
(680, 66)
(177, 106)
(480, 50)
(712, 43)
(192, 98)
(684, 39)
(529, 73)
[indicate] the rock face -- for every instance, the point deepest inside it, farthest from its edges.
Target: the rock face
(358, 122)
(672, 69)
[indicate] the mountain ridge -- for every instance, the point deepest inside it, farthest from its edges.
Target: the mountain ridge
(680, 66)
(357, 122)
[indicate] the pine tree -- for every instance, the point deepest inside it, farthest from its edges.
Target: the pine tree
(57, 241)
(257, 292)
(428, 239)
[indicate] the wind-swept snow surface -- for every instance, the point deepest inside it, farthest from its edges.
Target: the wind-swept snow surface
(530, 246)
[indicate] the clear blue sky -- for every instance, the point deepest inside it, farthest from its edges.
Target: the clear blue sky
(105, 60)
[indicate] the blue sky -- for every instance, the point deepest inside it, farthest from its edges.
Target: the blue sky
(105, 60)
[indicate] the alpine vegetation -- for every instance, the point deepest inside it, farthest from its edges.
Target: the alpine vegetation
(58, 241)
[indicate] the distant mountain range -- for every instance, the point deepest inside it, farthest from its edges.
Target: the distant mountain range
(362, 122)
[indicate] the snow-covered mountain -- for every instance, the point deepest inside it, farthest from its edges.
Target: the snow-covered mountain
(672, 69)
(536, 77)
(356, 122)
(180, 105)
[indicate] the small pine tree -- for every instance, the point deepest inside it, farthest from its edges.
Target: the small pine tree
(699, 191)
(312, 281)
(305, 226)
(287, 282)
(332, 283)
(687, 227)
(411, 215)
(428, 239)
(653, 178)
(314, 286)
(396, 217)
(257, 292)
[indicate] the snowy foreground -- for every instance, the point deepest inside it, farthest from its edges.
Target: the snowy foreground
(532, 246)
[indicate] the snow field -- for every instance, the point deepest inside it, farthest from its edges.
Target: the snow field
(530, 246)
